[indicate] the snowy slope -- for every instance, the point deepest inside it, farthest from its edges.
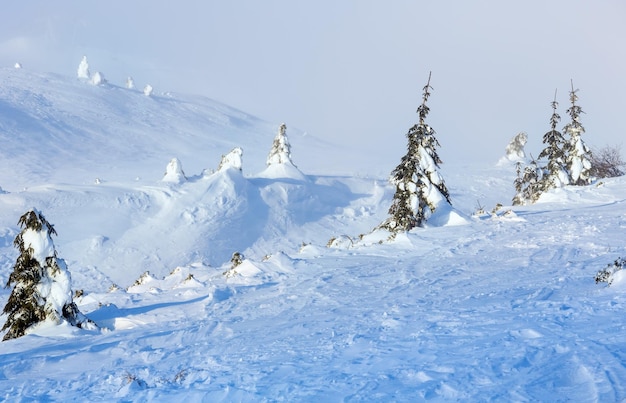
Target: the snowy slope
(71, 129)
(501, 308)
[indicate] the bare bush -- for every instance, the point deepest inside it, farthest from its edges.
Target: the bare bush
(607, 162)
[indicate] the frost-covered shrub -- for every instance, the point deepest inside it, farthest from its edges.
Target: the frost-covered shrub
(607, 162)
(341, 242)
(606, 275)
(144, 278)
(42, 284)
(147, 90)
(237, 259)
(130, 83)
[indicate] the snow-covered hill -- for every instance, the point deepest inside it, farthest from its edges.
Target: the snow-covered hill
(503, 307)
(65, 129)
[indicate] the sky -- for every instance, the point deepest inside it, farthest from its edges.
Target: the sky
(352, 72)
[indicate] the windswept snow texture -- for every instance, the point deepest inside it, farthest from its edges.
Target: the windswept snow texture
(498, 307)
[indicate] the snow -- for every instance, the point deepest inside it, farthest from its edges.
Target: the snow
(97, 79)
(56, 288)
(232, 160)
(40, 242)
(515, 149)
(282, 171)
(83, 69)
(499, 306)
(174, 172)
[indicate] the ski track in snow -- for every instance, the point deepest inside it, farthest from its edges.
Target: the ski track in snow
(503, 308)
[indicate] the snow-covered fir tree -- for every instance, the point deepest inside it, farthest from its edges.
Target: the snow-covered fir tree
(555, 172)
(174, 172)
(577, 154)
(419, 187)
(42, 284)
(232, 160)
(515, 149)
(281, 149)
(279, 162)
(528, 186)
(130, 83)
(83, 69)
(147, 90)
(97, 79)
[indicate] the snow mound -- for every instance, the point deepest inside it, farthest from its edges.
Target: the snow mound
(445, 215)
(282, 171)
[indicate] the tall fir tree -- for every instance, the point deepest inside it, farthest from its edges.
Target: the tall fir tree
(577, 154)
(42, 289)
(555, 174)
(419, 187)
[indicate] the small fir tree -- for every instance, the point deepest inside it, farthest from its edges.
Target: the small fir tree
(42, 283)
(174, 172)
(419, 187)
(83, 69)
(528, 186)
(555, 174)
(281, 149)
(232, 160)
(236, 260)
(515, 149)
(578, 155)
(97, 79)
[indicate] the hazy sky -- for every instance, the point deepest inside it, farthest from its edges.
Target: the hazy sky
(352, 71)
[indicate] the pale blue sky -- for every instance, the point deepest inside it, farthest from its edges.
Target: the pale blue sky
(352, 71)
